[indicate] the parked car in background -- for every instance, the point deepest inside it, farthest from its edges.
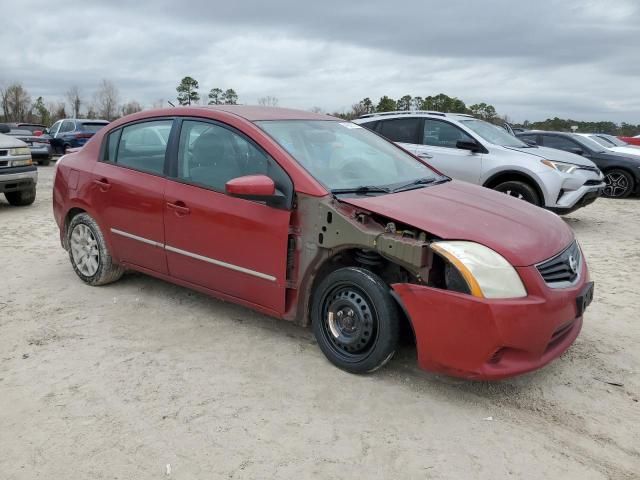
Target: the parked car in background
(73, 133)
(34, 128)
(631, 140)
(41, 150)
(18, 176)
(312, 219)
(613, 143)
(622, 171)
(475, 151)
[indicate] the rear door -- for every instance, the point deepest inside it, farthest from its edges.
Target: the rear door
(128, 194)
(231, 245)
(438, 148)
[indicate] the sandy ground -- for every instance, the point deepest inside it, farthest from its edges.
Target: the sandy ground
(117, 382)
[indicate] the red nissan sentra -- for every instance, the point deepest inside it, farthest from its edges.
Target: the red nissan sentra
(316, 220)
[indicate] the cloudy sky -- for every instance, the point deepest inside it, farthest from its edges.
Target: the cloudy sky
(531, 60)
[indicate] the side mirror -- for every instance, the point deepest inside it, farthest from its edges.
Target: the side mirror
(252, 187)
(472, 146)
(529, 141)
(4, 128)
(577, 151)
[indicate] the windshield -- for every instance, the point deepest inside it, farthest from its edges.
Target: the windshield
(615, 140)
(343, 155)
(587, 142)
(493, 134)
(605, 142)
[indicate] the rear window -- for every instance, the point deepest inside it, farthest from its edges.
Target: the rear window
(92, 127)
(31, 128)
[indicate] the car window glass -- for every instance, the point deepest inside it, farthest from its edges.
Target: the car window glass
(370, 125)
(560, 143)
(112, 146)
(443, 134)
(67, 126)
(142, 147)
(404, 130)
(210, 155)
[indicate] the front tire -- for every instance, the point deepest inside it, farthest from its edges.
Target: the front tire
(88, 252)
(520, 190)
(355, 320)
(620, 183)
(21, 198)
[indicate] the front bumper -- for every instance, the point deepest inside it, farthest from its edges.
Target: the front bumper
(565, 193)
(487, 339)
(18, 178)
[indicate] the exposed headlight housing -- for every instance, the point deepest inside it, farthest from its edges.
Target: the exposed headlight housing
(561, 166)
(15, 152)
(486, 273)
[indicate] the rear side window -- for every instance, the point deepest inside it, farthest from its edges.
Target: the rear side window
(443, 134)
(141, 146)
(91, 127)
(370, 125)
(404, 130)
(67, 126)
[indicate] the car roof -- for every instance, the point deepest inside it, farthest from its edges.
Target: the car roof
(414, 113)
(256, 112)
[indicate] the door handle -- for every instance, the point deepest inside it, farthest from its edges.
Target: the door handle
(103, 183)
(180, 208)
(424, 155)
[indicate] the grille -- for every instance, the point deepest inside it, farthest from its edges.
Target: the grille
(4, 153)
(563, 269)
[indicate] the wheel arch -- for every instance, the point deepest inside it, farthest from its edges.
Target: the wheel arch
(347, 257)
(515, 175)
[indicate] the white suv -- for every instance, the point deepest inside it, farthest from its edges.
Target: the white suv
(476, 151)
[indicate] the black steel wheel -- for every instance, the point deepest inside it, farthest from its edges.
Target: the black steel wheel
(355, 320)
(619, 184)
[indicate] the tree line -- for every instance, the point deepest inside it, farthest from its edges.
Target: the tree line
(105, 103)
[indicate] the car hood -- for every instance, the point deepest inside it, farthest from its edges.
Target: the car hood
(522, 233)
(626, 150)
(7, 141)
(555, 154)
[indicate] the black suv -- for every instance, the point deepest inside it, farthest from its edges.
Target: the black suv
(622, 171)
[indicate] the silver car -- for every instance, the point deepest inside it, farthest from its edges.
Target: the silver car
(476, 151)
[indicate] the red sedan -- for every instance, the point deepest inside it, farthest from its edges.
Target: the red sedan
(315, 220)
(631, 140)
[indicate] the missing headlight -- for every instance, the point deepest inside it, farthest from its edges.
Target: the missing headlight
(454, 280)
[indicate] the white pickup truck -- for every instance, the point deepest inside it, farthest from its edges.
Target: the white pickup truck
(18, 175)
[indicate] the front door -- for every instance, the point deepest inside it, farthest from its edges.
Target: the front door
(128, 193)
(438, 148)
(234, 246)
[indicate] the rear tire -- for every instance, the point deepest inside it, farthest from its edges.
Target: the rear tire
(88, 252)
(620, 183)
(21, 198)
(355, 320)
(521, 190)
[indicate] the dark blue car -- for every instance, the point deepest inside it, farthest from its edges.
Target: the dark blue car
(73, 132)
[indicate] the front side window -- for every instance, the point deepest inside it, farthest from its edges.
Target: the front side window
(443, 134)
(343, 155)
(54, 128)
(402, 130)
(560, 143)
(139, 146)
(210, 155)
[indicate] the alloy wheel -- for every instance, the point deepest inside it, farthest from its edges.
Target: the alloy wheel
(84, 250)
(617, 184)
